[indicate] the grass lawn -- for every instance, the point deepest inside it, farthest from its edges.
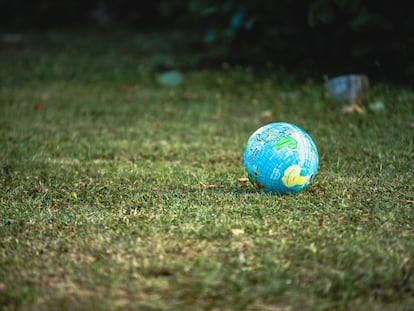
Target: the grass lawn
(119, 193)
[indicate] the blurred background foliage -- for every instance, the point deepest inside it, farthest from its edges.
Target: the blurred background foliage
(371, 36)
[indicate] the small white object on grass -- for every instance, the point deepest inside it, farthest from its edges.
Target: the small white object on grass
(171, 78)
(377, 106)
(349, 90)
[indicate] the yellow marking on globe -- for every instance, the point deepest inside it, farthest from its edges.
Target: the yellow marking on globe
(292, 177)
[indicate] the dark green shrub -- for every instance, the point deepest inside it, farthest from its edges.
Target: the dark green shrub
(361, 35)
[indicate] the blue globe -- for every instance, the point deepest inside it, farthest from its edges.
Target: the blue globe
(281, 158)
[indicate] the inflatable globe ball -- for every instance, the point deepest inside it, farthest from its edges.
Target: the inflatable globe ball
(281, 158)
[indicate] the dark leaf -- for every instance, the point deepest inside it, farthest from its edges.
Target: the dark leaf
(321, 11)
(367, 21)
